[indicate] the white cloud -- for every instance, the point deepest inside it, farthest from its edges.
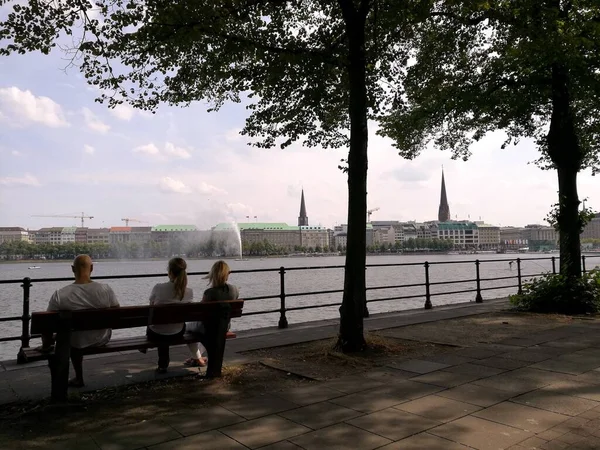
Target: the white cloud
(123, 112)
(88, 149)
(205, 188)
(148, 149)
(16, 153)
(168, 184)
(26, 180)
(19, 107)
(169, 151)
(93, 122)
(177, 152)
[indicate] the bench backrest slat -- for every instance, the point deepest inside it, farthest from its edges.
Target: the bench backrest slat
(133, 316)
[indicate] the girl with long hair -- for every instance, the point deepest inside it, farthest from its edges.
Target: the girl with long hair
(173, 291)
(219, 290)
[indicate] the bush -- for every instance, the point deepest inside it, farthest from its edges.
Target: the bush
(556, 294)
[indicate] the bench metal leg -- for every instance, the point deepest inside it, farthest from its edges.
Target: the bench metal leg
(59, 367)
(217, 336)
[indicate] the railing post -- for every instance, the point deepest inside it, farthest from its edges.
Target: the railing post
(428, 304)
(365, 306)
(478, 297)
(25, 318)
(554, 265)
(520, 291)
(583, 263)
(283, 323)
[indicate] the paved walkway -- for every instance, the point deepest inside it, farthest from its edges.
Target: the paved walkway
(540, 390)
(32, 381)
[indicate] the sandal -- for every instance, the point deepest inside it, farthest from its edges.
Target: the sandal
(192, 362)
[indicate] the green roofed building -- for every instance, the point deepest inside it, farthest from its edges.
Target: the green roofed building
(173, 228)
(166, 233)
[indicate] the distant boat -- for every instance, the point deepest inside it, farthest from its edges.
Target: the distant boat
(34, 267)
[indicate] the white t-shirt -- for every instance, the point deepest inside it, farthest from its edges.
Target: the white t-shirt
(164, 293)
(85, 296)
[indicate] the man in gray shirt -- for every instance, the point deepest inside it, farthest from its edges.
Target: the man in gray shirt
(82, 294)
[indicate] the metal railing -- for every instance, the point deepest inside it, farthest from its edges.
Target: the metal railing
(283, 309)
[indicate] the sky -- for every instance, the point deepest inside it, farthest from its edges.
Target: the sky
(61, 153)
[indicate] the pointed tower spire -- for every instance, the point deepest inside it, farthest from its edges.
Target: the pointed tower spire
(444, 210)
(303, 218)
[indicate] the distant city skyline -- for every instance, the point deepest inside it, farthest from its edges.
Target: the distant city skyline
(62, 153)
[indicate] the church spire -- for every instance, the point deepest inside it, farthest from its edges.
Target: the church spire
(444, 210)
(303, 218)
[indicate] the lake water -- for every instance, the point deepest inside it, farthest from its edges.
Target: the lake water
(136, 291)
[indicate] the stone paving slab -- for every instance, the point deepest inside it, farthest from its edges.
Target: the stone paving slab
(556, 402)
(475, 369)
(382, 398)
(266, 430)
(481, 434)
(445, 379)
(393, 423)
(340, 437)
(521, 416)
(198, 420)
(476, 395)
(440, 409)
(418, 366)
(424, 441)
(128, 437)
(263, 405)
(210, 439)
(320, 415)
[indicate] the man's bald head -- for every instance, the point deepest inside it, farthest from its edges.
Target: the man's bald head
(82, 267)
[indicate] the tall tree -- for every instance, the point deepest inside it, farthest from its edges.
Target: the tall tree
(312, 71)
(528, 67)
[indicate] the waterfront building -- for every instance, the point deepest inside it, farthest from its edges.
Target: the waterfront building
(427, 230)
(314, 237)
(168, 233)
(463, 234)
(278, 234)
(540, 237)
(340, 241)
(382, 235)
(369, 237)
(409, 231)
(489, 236)
(50, 235)
(119, 235)
(511, 238)
(387, 232)
(13, 234)
(98, 235)
(592, 229)
(444, 209)
(81, 235)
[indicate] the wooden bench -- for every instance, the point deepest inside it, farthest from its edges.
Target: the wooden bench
(214, 315)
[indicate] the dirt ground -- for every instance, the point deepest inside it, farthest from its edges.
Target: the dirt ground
(274, 369)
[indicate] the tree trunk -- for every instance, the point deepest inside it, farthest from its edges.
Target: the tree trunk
(351, 336)
(567, 156)
(568, 223)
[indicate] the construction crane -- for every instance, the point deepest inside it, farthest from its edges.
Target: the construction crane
(127, 220)
(371, 211)
(82, 217)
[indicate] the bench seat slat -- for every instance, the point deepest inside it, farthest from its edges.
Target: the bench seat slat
(132, 316)
(120, 345)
